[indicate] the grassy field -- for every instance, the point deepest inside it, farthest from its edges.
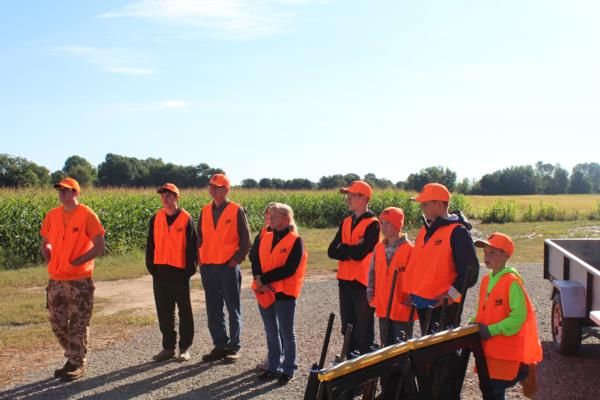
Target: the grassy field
(583, 203)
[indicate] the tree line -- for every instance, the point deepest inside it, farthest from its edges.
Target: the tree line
(121, 171)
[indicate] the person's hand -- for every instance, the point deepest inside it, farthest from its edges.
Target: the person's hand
(77, 262)
(484, 332)
(440, 299)
(232, 263)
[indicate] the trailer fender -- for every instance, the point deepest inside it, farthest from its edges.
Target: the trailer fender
(572, 298)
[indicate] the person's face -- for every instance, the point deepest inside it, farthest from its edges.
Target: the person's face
(433, 209)
(278, 220)
(66, 196)
(388, 230)
(356, 201)
(168, 199)
(494, 258)
(267, 218)
(218, 193)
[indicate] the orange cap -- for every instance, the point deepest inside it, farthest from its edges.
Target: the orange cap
(393, 215)
(433, 191)
(68, 183)
(498, 240)
(358, 187)
(219, 180)
(168, 187)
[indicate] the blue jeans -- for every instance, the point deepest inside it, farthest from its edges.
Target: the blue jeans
(499, 386)
(278, 320)
(222, 286)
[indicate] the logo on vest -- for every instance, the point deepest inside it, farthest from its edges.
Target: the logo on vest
(75, 229)
(401, 269)
(179, 229)
(282, 251)
(437, 242)
(498, 302)
(227, 221)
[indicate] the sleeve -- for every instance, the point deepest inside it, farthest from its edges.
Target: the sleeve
(199, 233)
(254, 257)
(465, 256)
(93, 227)
(150, 247)
(336, 249)
(45, 229)
(243, 228)
(360, 251)
(512, 324)
(371, 282)
(191, 251)
(289, 268)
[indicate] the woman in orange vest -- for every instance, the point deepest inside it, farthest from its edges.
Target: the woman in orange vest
(171, 260)
(278, 277)
(507, 321)
(353, 247)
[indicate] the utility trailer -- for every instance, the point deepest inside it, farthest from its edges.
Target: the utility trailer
(573, 268)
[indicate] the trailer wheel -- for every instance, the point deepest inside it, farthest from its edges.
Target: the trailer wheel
(566, 332)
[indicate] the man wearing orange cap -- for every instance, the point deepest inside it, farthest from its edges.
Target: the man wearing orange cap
(439, 265)
(353, 247)
(223, 242)
(507, 321)
(72, 236)
(171, 260)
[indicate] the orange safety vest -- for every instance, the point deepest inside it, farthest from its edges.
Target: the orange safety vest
(353, 270)
(219, 243)
(505, 353)
(276, 257)
(431, 270)
(383, 281)
(68, 243)
(170, 241)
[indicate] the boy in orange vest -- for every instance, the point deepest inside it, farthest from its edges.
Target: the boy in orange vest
(171, 260)
(353, 247)
(72, 236)
(507, 320)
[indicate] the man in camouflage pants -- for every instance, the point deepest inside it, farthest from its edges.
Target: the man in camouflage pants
(72, 236)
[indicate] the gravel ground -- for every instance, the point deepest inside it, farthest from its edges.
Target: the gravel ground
(124, 371)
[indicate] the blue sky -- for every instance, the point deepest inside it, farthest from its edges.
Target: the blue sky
(303, 88)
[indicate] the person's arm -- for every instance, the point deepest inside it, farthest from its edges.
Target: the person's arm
(254, 257)
(150, 247)
(371, 283)
(289, 268)
(360, 251)
(199, 238)
(464, 256)
(336, 249)
(512, 324)
(191, 252)
(97, 249)
(45, 249)
(243, 230)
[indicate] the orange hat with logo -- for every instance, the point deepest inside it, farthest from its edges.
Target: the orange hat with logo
(433, 191)
(498, 240)
(168, 187)
(219, 180)
(358, 187)
(393, 215)
(68, 183)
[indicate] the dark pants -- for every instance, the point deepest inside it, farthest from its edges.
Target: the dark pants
(278, 320)
(167, 294)
(452, 311)
(222, 286)
(499, 386)
(395, 333)
(355, 310)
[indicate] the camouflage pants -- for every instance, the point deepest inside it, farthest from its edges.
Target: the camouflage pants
(70, 306)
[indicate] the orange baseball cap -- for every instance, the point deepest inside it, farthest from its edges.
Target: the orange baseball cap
(393, 215)
(433, 191)
(219, 180)
(498, 240)
(358, 187)
(168, 187)
(68, 183)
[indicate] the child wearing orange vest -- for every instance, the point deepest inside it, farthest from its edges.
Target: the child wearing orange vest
(507, 321)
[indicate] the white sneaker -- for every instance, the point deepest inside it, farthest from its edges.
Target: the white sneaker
(184, 355)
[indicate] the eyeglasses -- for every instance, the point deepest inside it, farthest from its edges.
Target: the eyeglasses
(354, 195)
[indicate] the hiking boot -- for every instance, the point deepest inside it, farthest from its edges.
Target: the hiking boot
(267, 376)
(164, 355)
(184, 355)
(284, 379)
(77, 373)
(215, 354)
(65, 368)
(263, 366)
(231, 355)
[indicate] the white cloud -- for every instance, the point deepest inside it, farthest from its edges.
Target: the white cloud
(248, 17)
(173, 104)
(115, 60)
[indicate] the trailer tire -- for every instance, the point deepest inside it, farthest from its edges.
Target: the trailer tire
(566, 332)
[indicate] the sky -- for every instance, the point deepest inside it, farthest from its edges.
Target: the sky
(303, 88)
